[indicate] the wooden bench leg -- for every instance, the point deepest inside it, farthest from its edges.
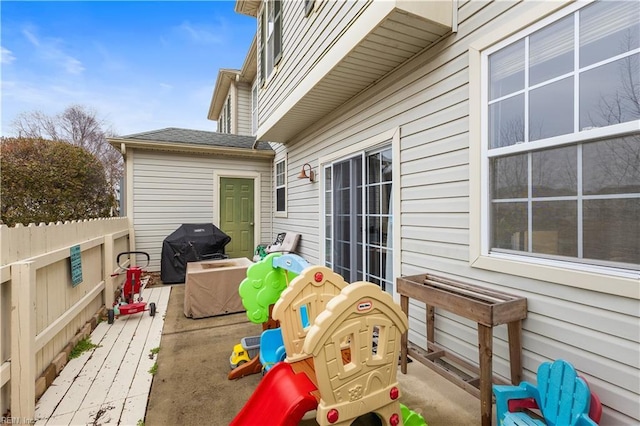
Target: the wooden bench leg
(431, 324)
(515, 351)
(485, 343)
(404, 340)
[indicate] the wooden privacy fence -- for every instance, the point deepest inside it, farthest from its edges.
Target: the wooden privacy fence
(44, 300)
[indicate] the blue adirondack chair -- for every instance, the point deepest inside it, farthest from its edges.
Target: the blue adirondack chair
(562, 397)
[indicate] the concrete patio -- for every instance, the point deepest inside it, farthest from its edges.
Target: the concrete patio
(191, 385)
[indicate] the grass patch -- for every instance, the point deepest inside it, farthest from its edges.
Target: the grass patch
(155, 351)
(82, 346)
(140, 423)
(153, 370)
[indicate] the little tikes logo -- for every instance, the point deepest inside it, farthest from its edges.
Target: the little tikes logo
(364, 306)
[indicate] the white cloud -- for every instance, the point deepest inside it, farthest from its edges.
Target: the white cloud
(73, 66)
(6, 56)
(166, 86)
(28, 33)
(50, 50)
(200, 34)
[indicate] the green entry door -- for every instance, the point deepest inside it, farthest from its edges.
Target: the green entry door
(236, 215)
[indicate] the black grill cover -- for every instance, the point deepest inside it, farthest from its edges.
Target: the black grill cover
(190, 243)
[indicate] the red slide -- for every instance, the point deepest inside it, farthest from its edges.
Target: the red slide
(281, 398)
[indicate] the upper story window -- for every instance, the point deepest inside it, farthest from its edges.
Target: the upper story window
(227, 107)
(270, 37)
(561, 150)
(281, 187)
(254, 108)
(224, 121)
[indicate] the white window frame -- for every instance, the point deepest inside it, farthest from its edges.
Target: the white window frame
(368, 144)
(276, 187)
(269, 52)
(620, 282)
(254, 108)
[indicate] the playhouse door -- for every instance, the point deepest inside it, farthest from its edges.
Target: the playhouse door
(237, 215)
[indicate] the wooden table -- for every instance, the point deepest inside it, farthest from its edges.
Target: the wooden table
(487, 308)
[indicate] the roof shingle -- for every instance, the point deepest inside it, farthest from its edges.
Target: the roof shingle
(199, 137)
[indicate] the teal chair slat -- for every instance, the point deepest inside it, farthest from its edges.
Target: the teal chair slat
(521, 419)
(562, 396)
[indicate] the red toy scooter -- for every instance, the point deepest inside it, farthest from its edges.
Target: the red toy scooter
(127, 303)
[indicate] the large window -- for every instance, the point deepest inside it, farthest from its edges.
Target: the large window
(561, 103)
(358, 217)
(270, 37)
(281, 187)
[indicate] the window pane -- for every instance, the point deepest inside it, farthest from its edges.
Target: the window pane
(612, 166)
(373, 230)
(386, 198)
(373, 258)
(612, 230)
(506, 122)
(373, 162)
(608, 29)
(551, 51)
(555, 228)
(280, 200)
(554, 172)
(373, 204)
(609, 94)
(551, 110)
(328, 252)
(387, 166)
(509, 177)
(509, 226)
(280, 175)
(506, 70)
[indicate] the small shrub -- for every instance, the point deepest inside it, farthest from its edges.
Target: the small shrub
(82, 346)
(153, 370)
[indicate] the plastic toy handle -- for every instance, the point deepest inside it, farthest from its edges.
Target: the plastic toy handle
(132, 252)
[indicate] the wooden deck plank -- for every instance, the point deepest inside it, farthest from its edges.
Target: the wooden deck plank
(111, 383)
(82, 382)
(121, 385)
(60, 386)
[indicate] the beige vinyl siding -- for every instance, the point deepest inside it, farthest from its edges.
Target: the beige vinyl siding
(243, 111)
(172, 189)
(428, 98)
(304, 42)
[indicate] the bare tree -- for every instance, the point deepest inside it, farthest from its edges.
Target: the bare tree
(77, 125)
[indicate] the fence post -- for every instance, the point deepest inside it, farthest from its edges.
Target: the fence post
(23, 340)
(108, 270)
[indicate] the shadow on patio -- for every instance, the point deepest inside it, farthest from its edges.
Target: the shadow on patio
(191, 385)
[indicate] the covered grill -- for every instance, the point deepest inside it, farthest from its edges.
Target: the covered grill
(190, 243)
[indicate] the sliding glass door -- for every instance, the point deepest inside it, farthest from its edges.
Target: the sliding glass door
(358, 217)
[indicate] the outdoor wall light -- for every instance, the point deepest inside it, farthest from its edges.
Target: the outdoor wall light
(303, 173)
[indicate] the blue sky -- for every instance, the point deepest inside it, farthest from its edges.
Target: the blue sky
(139, 65)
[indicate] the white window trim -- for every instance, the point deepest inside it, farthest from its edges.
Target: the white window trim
(370, 143)
(264, 45)
(254, 107)
(606, 280)
(277, 213)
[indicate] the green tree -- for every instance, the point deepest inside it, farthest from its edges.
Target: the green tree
(49, 181)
